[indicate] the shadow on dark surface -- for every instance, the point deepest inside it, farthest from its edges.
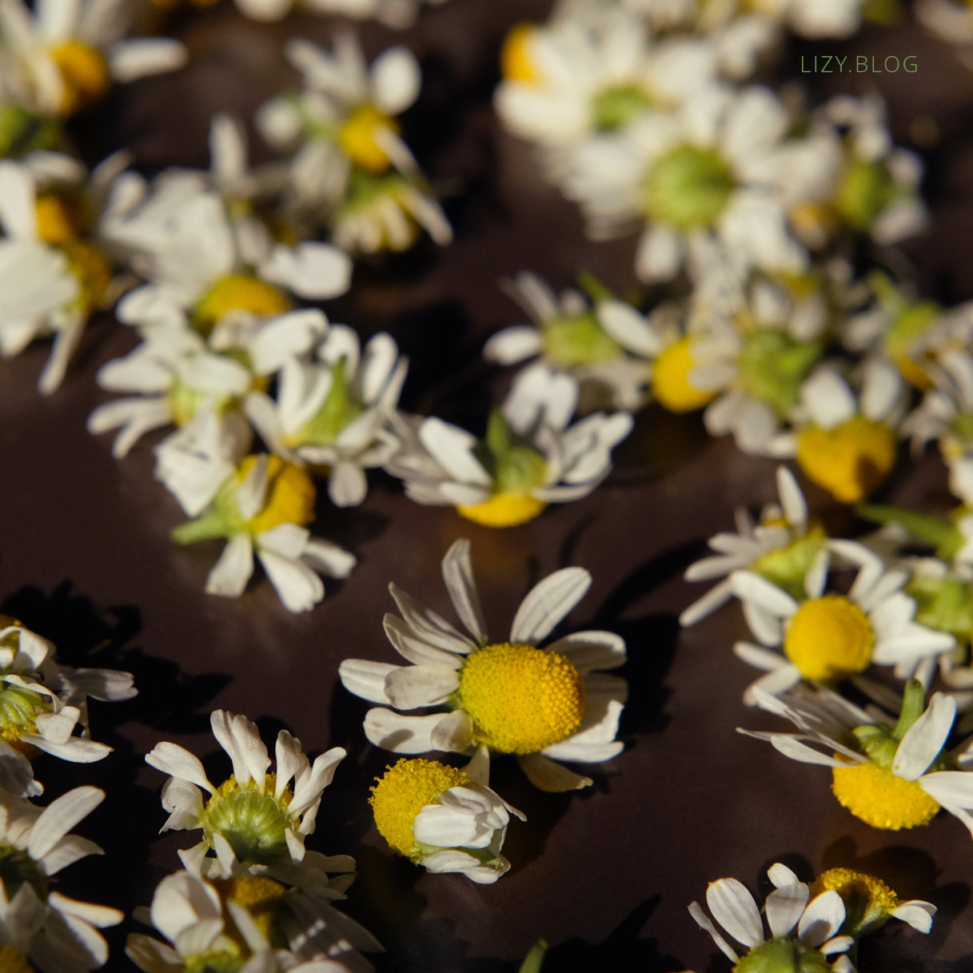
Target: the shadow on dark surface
(622, 951)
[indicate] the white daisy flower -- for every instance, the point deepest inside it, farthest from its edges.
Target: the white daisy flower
(946, 412)
(829, 637)
(781, 547)
(870, 903)
(42, 703)
(444, 818)
(889, 777)
(789, 910)
(572, 78)
(263, 817)
(232, 924)
(176, 373)
(513, 697)
(605, 343)
(68, 53)
(36, 845)
(52, 279)
(263, 508)
(200, 270)
(845, 442)
(747, 356)
(333, 414)
(700, 175)
(949, 20)
(529, 458)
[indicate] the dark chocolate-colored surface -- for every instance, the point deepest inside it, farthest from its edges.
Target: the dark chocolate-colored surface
(604, 875)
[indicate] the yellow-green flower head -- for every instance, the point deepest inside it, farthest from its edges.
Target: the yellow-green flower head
(444, 818)
(890, 777)
(827, 637)
(870, 903)
(42, 703)
(542, 704)
(263, 816)
(804, 931)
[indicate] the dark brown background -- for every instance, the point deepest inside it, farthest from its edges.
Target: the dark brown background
(605, 876)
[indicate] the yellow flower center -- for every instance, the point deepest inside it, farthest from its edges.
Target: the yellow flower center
(357, 137)
(238, 292)
(259, 896)
(57, 219)
(521, 699)
(829, 638)
(670, 379)
(846, 881)
(92, 270)
(12, 960)
(879, 798)
(849, 461)
(85, 74)
(515, 60)
(290, 495)
(504, 510)
(403, 792)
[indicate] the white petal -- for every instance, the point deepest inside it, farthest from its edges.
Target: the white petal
(547, 775)
(232, 571)
(458, 575)
(733, 908)
(925, 738)
(547, 603)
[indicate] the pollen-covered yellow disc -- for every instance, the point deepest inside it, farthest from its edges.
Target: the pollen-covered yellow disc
(259, 896)
(290, 494)
(515, 60)
(879, 798)
(358, 137)
(521, 698)
(503, 510)
(829, 638)
(84, 72)
(670, 379)
(846, 881)
(849, 461)
(404, 790)
(238, 292)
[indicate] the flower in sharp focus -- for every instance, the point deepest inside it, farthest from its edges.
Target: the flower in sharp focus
(828, 637)
(255, 817)
(67, 55)
(847, 443)
(244, 924)
(782, 547)
(42, 703)
(530, 456)
(543, 704)
(870, 903)
(262, 508)
(603, 342)
(333, 415)
(444, 818)
(34, 846)
(804, 931)
(890, 777)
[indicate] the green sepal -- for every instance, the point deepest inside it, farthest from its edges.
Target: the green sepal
(533, 960)
(947, 538)
(205, 528)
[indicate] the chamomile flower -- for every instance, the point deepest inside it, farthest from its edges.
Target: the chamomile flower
(42, 703)
(543, 704)
(333, 415)
(573, 79)
(889, 777)
(263, 508)
(748, 357)
(804, 931)
(444, 818)
(241, 925)
(530, 456)
(262, 817)
(52, 278)
(605, 343)
(870, 903)
(828, 637)
(200, 270)
(947, 19)
(847, 443)
(946, 412)
(700, 175)
(68, 55)
(35, 845)
(783, 547)
(176, 373)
